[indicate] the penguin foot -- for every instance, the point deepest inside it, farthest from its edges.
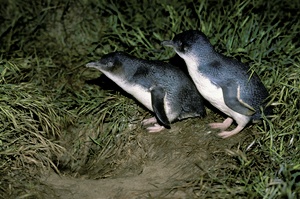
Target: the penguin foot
(223, 126)
(148, 121)
(152, 129)
(226, 134)
(155, 129)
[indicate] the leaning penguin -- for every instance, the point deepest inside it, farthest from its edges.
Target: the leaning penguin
(226, 83)
(160, 87)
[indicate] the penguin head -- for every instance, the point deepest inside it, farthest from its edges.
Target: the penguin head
(111, 63)
(116, 65)
(190, 44)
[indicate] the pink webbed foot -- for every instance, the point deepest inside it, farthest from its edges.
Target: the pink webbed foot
(226, 134)
(148, 121)
(155, 129)
(223, 126)
(152, 129)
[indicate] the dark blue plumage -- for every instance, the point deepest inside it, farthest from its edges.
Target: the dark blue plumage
(226, 83)
(162, 88)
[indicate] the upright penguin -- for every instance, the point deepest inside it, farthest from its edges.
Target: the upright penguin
(226, 83)
(162, 88)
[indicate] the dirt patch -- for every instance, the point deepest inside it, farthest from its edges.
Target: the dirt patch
(153, 181)
(161, 165)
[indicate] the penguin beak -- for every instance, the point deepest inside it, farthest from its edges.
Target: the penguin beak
(168, 43)
(99, 65)
(96, 65)
(91, 65)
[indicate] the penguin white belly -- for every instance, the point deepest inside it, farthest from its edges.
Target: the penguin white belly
(214, 95)
(144, 96)
(211, 93)
(140, 93)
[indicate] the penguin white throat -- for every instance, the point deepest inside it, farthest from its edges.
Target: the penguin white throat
(209, 90)
(203, 84)
(193, 59)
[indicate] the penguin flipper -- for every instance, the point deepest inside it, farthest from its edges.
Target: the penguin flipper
(231, 95)
(157, 99)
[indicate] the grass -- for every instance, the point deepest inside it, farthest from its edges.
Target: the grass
(47, 106)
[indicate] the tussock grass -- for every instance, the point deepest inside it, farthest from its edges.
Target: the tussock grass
(30, 124)
(51, 117)
(101, 118)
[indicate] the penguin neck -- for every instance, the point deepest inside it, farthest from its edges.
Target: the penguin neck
(200, 58)
(205, 56)
(119, 80)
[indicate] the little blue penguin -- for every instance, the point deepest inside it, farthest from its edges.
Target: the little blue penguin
(161, 87)
(226, 83)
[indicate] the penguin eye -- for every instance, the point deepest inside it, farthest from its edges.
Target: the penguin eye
(185, 48)
(182, 47)
(110, 64)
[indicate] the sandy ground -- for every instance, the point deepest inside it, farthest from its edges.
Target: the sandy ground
(152, 182)
(162, 165)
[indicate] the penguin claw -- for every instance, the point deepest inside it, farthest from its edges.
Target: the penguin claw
(155, 129)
